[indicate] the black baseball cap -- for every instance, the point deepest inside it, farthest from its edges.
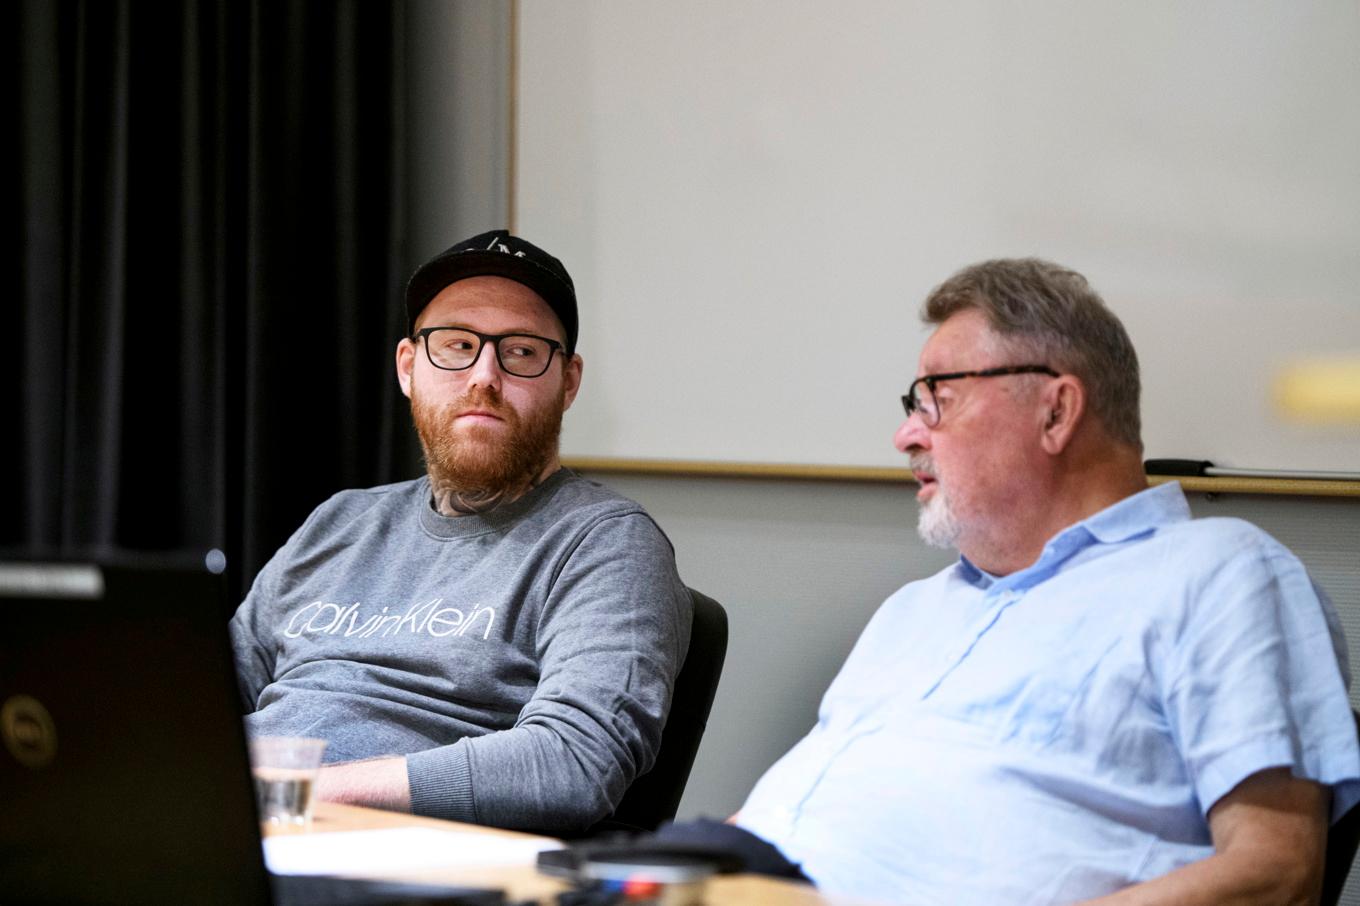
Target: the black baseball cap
(496, 254)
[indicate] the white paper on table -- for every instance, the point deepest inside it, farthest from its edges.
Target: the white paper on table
(396, 849)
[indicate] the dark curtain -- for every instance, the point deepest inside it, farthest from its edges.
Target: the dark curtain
(206, 265)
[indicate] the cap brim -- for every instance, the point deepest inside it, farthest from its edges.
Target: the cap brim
(444, 270)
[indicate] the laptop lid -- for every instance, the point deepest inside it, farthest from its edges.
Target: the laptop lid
(124, 775)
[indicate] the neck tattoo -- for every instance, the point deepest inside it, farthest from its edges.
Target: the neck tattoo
(456, 501)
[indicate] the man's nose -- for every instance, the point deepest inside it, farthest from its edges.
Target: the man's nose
(485, 370)
(912, 435)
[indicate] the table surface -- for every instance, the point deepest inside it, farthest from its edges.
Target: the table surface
(524, 882)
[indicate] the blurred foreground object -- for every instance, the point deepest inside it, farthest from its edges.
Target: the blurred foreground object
(1321, 390)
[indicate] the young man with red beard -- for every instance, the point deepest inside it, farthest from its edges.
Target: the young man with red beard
(496, 641)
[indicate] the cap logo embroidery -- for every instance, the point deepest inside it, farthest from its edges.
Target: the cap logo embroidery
(502, 247)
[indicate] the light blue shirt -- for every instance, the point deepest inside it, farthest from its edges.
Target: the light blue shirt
(1062, 732)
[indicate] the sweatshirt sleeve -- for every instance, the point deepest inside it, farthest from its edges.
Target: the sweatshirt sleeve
(253, 641)
(253, 654)
(610, 640)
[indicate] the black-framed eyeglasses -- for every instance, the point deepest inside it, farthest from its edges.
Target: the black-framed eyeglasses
(920, 396)
(457, 348)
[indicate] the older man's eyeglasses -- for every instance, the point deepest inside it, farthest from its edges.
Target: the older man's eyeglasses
(457, 348)
(920, 397)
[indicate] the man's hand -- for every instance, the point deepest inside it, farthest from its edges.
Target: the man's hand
(379, 783)
(1270, 836)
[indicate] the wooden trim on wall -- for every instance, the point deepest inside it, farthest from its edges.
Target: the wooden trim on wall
(696, 469)
(1292, 487)
(670, 468)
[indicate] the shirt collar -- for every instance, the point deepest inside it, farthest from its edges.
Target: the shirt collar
(972, 575)
(1140, 514)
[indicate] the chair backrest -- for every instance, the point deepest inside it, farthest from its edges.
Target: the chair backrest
(1343, 839)
(655, 796)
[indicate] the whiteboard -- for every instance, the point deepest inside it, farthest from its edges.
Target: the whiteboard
(754, 198)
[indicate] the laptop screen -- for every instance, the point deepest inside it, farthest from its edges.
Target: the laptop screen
(123, 768)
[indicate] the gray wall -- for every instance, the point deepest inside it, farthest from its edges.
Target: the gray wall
(800, 566)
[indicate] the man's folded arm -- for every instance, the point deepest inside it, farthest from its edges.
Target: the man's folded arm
(1255, 652)
(376, 782)
(1270, 837)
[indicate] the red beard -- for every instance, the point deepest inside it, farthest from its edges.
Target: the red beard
(485, 461)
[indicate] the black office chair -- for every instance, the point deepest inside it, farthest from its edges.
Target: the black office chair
(1343, 839)
(655, 796)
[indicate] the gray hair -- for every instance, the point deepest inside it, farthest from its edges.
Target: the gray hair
(1045, 310)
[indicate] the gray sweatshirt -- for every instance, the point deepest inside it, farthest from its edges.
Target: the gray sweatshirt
(523, 660)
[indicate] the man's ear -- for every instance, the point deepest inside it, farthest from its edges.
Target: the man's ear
(406, 363)
(571, 377)
(1065, 406)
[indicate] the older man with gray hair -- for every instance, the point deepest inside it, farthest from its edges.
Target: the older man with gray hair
(1103, 698)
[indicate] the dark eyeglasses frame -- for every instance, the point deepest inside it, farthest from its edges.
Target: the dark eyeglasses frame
(911, 404)
(482, 339)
